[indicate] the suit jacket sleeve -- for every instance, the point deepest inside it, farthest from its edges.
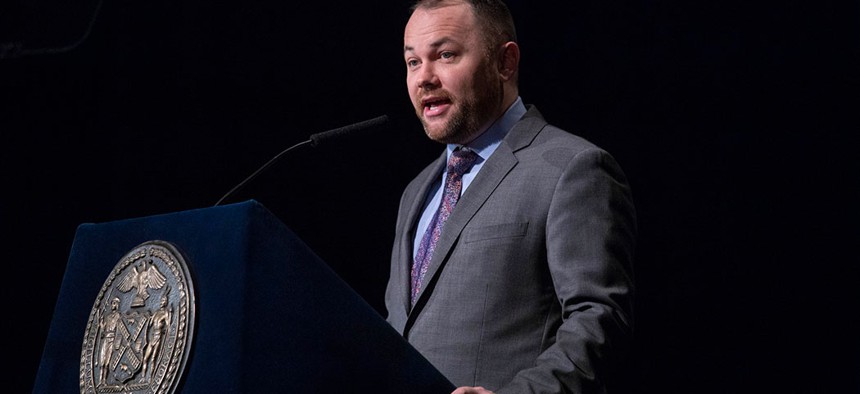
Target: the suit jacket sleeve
(590, 233)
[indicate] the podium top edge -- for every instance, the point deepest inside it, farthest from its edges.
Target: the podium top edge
(241, 205)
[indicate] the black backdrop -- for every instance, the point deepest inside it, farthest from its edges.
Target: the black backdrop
(735, 121)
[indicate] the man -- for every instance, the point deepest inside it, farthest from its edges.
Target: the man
(523, 284)
(159, 324)
(108, 329)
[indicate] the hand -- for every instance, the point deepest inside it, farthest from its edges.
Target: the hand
(471, 390)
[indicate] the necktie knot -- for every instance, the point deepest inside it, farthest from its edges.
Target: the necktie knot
(461, 160)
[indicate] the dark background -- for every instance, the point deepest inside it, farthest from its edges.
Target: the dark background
(735, 122)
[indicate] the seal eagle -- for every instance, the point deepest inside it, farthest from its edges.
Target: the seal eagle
(147, 278)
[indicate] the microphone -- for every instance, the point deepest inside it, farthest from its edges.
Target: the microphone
(314, 140)
(15, 49)
(321, 138)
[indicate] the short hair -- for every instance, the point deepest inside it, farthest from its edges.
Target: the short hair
(493, 16)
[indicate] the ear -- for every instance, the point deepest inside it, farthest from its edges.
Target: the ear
(509, 61)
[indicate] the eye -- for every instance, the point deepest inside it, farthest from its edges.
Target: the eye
(412, 63)
(446, 55)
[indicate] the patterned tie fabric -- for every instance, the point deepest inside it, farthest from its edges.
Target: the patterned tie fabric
(460, 162)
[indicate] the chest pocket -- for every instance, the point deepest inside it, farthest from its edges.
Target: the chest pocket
(496, 231)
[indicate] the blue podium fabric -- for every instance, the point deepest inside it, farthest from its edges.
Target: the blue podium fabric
(271, 315)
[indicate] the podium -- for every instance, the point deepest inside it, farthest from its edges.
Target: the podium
(270, 315)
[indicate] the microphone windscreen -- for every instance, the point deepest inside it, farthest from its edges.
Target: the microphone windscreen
(325, 136)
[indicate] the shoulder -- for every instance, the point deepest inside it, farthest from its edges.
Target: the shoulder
(540, 146)
(533, 135)
(424, 178)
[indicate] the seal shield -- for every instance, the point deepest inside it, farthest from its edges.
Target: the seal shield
(141, 327)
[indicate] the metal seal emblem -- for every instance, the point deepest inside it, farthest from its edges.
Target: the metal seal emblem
(141, 327)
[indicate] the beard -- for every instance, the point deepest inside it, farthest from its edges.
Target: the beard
(471, 115)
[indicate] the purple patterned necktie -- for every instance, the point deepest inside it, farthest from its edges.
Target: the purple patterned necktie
(460, 162)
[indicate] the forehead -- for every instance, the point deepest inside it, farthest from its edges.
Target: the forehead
(452, 22)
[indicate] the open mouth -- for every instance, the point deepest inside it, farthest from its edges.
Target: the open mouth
(435, 106)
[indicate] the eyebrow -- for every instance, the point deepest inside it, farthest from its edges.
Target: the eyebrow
(434, 44)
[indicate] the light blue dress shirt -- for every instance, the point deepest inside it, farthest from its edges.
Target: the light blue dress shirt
(484, 146)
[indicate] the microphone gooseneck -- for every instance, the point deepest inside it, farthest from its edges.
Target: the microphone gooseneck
(314, 140)
(259, 170)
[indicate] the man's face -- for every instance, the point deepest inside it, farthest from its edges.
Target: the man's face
(455, 88)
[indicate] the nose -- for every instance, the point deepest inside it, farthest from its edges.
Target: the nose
(426, 77)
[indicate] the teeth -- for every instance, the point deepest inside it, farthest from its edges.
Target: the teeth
(433, 105)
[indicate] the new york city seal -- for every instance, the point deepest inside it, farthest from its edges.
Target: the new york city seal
(141, 326)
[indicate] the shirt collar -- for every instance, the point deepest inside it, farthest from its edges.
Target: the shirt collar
(488, 141)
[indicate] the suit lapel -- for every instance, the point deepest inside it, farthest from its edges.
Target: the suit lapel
(428, 176)
(498, 165)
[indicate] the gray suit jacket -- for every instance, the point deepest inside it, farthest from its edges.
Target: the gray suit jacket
(530, 288)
